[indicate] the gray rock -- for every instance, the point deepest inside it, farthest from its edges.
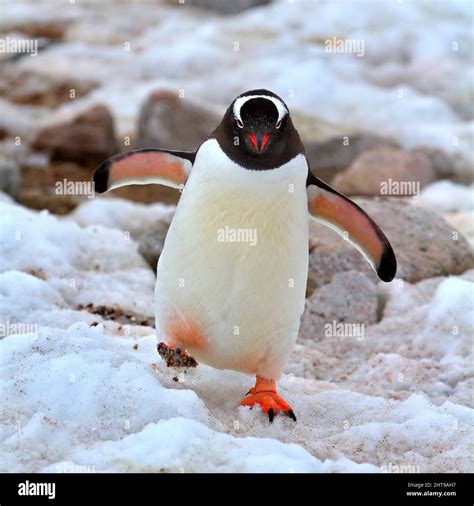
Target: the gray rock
(442, 164)
(168, 121)
(10, 177)
(224, 7)
(150, 244)
(375, 168)
(424, 243)
(330, 254)
(329, 157)
(349, 298)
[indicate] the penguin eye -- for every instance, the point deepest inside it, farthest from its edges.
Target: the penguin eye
(278, 123)
(240, 123)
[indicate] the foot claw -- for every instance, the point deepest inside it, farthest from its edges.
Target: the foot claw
(291, 414)
(271, 415)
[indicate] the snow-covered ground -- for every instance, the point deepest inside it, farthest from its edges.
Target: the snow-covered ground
(80, 392)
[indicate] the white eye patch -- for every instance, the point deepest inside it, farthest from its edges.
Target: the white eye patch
(281, 108)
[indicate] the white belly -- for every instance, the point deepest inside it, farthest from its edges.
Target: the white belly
(232, 275)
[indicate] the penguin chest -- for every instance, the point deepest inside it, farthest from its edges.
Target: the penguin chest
(232, 275)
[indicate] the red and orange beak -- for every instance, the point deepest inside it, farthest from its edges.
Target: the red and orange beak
(259, 141)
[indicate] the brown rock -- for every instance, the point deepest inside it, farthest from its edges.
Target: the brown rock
(424, 243)
(88, 138)
(55, 204)
(329, 157)
(380, 172)
(148, 194)
(53, 29)
(168, 121)
(32, 88)
(349, 298)
(38, 185)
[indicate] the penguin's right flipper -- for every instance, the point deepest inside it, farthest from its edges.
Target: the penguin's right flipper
(144, 166)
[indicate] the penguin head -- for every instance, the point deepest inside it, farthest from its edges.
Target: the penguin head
(257, 131)
(260, 122)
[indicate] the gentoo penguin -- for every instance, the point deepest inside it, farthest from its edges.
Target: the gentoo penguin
(231, 278)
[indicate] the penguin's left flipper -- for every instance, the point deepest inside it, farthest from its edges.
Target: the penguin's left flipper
(334, 210)
(144, 166)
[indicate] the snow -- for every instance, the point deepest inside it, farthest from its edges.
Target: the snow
(121, 214)
(86, 394)
(181, 445)
(445, 196)
(84, 265)
(452, 306)
(455, 202)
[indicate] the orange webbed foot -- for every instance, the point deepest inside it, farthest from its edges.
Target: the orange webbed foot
(265, 395)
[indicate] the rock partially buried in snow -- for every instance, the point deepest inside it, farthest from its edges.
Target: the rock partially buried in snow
(424, 243)
(327, 158)
(131, 217)
(168, 121)
(10, 177)
(150, 244)
(87, 138)
(221, 7)
(53, 29)
(147, 224)
(349, 298)
(381, 172)
(442, 164)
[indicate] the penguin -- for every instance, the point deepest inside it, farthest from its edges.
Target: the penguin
(231, 279)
